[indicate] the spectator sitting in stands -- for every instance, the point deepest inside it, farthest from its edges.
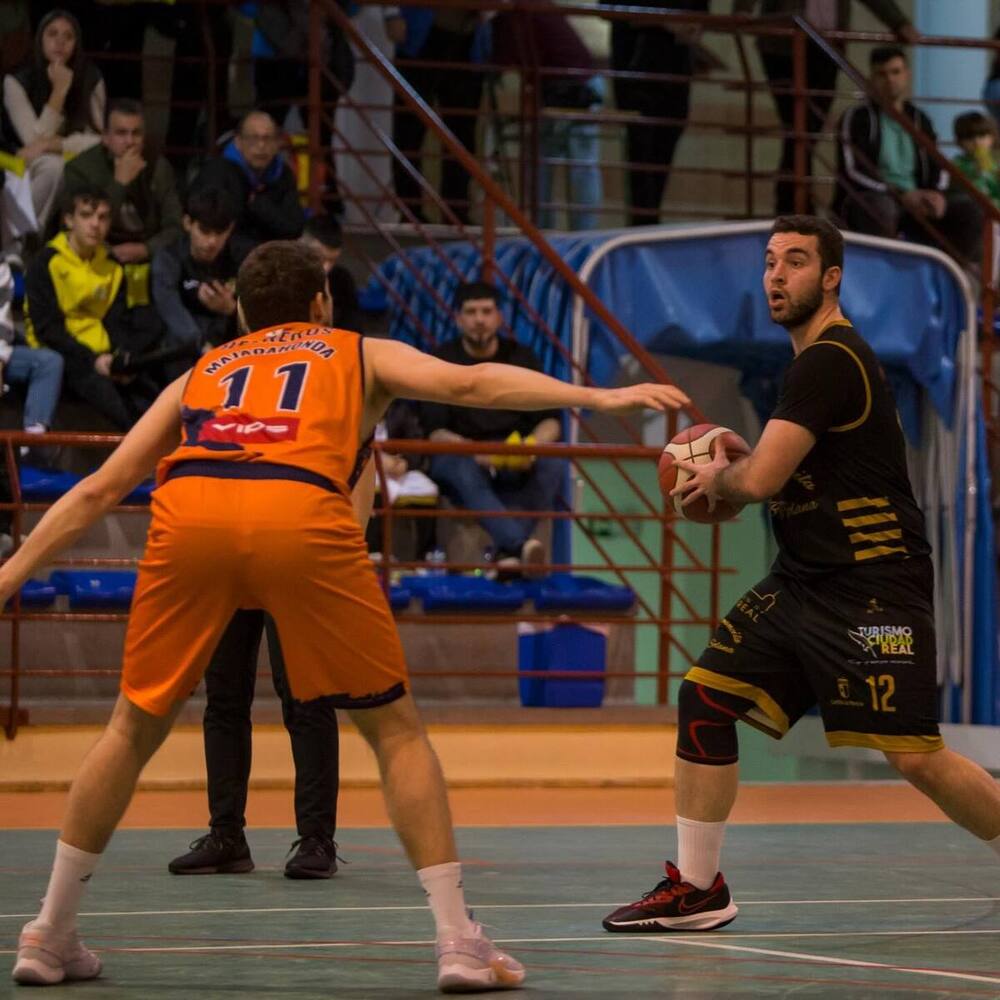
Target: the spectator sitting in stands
(194, 277)
(887, 184)
(260, 182)
(75, 303)
(38, 370)
(145, 210)
(55, 107)
(976, 134)
(494, 482)
(323, 234)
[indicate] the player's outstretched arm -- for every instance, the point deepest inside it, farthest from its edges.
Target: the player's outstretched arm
(402, 371)
(155, 435)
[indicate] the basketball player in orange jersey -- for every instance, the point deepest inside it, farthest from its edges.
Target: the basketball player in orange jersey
(259, 447)
(844, 619)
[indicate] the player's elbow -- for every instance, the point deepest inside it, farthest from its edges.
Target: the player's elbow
(99, 492)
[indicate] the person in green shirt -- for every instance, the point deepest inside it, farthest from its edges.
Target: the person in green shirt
(888, 184)
(976, 134)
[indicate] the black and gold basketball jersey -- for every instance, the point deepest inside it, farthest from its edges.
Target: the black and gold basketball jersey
(850, 502)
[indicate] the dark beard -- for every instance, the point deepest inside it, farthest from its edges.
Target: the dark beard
(802, 311)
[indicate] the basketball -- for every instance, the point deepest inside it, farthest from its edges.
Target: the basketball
(698, 444)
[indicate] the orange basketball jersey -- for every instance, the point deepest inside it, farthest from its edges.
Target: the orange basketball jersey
(290, 395)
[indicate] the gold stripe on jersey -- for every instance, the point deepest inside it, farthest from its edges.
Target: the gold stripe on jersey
(879, 550)
(859, 502)
(875, 536)
(864, 375)
(865, 519)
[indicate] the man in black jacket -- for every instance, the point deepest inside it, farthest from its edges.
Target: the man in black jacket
(821, 72)
(254, 173)
(887, 184)
(194, 277)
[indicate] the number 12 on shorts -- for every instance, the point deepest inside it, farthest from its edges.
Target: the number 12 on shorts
(293, 377)
(882, 689)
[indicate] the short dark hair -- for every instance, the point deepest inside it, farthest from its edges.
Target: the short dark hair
(884, 54)
(325, 229)
(257, 111)
(90, 195)
(470, 290)
(276, 283)
(971, 125)
(211, 207)
(123, 106)
(828, 237)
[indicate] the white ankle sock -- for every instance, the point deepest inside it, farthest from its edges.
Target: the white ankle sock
(443, 885)
(71, 872)
(699, 846)
(994, 844)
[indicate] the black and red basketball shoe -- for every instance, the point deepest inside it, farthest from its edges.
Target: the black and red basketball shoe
(673, 905)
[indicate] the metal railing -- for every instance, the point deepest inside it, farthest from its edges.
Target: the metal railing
(652, 560)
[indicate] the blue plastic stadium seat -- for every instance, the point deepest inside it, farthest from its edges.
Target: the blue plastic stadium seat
(566, 592)
(36, 594)
(464, 593)
(95, 589)
(39, 485)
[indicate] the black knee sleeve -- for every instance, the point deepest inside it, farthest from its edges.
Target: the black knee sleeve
(706, 725)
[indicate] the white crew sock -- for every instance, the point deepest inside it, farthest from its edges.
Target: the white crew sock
(699, 847)
(994, 844)
(443, 885)
(71, 872)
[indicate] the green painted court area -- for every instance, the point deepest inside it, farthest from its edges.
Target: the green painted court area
(888, 910)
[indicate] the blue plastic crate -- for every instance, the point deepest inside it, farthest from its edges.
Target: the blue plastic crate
(36, 594)
(39, 485)
(561, 647)
(566, 592)
(95, 589)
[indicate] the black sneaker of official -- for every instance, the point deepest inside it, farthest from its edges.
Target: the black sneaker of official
(673, 905)
(315, 857)
(217, 853)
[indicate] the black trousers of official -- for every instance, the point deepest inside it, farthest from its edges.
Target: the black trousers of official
(312, 726)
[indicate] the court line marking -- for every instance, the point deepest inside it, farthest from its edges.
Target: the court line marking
(644, 939)
(499, 906)
(831, 960)
(606, 938)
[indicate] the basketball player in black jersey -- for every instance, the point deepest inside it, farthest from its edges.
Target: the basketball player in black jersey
(845, 617)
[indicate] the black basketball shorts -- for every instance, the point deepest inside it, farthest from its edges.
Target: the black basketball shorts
(859, 644)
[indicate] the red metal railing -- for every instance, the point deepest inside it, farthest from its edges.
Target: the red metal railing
(647, 614)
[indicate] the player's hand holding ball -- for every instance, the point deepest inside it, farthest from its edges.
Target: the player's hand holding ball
(688, 467)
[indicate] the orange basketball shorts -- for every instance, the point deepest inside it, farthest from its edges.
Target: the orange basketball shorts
(292, 549)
